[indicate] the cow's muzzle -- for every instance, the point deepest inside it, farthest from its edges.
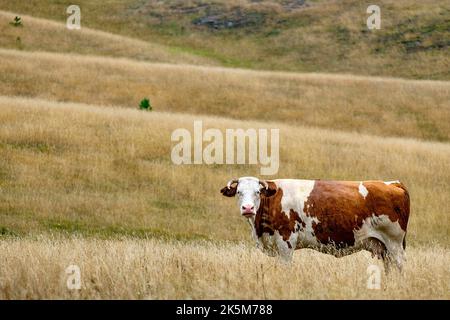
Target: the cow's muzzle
(248, 210)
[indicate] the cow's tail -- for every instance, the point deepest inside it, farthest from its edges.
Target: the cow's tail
(404, 213)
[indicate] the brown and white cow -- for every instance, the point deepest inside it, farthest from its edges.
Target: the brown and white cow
(335, 217)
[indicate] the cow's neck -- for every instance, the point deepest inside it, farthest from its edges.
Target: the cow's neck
(266, 216)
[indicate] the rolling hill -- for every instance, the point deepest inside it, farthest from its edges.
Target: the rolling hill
(86, 178)
(381, 106)
(46, 35)
(93, 185)
(107, 171)
(317, 36)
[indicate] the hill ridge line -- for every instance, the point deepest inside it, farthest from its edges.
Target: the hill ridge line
(83, 29)
(98, 33)
(265, 73)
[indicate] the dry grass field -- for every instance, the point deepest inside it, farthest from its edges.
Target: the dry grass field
(152, 269)
(381, 106)
(86, 178)
(105, 173)
(105, 170)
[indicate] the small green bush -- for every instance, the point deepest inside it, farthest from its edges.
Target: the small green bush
(17, 22)
(145, 104)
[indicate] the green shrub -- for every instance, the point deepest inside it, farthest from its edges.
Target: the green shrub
(17, 22)
(145, 104)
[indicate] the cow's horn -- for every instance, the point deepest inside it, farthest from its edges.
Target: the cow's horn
(264, 184)
(231, 182)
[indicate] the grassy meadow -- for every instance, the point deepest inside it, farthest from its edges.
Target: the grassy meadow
(86, 178)
(381, 106)
(105, 170)
(51, 36)
(153, 269)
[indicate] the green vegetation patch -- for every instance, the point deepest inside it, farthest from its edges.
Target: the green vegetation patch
(414, 36)
(34, 145)
(6, 232)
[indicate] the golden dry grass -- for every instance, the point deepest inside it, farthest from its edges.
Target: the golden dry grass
(47, 35)
(107, 171)
(92, 184)
(149, 269)
(381, 106)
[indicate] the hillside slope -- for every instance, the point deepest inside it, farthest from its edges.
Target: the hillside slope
(381, 106)
(319, 36)
(87, 179)
(47, 35)
(83, 169)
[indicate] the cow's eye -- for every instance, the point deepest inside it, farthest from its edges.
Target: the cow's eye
(239, 193)
(258, 192)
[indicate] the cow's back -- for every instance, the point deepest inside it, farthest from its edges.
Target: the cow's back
(340, 208)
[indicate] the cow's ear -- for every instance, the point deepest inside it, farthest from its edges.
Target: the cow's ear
(229, 192)
(270, 191)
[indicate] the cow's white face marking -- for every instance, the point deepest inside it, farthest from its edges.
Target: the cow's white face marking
(248, 196)
(363, 190)
(391, 182)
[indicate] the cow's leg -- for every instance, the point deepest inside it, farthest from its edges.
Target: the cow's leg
(394, 242)
(285, 249)
(381, 230)
(395, 256)
(379, 250)
(286, 256)
(375, 247)
(392, 254)
(387, 262)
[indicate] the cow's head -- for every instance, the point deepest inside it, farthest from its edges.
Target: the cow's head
(249, 191)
